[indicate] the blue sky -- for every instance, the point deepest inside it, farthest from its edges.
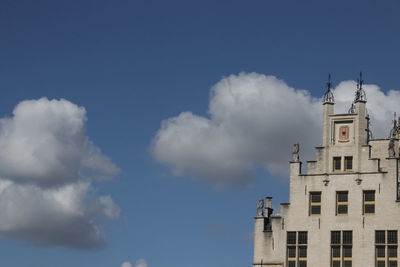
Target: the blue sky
(134, 64)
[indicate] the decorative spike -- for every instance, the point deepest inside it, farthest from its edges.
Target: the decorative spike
(328, 96)
(329, 83)
(360, 93)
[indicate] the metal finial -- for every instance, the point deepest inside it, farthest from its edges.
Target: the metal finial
(329, 83)
(360, 82)
(360, 93)
(328, 96)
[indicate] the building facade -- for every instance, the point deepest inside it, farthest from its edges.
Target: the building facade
(345, 209)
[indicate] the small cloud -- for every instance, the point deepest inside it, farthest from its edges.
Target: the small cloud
(126, 264)
(141, 263)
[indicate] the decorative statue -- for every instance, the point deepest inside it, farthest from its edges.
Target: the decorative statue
(295, 152)
(260, 208)
(391, 151)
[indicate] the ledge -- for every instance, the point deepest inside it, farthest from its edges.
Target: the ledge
(343, 114)
(342, 173)
(268, 263)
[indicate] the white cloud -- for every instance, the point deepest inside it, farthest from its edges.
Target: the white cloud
(141, 263)
(46, 166)
(45, 142)
(253, 121)
(126, 264)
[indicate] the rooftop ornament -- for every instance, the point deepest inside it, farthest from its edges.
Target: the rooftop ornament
(328, 96)
(360, 95)
(394, 132)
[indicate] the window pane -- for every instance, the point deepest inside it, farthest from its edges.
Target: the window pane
(342, 196)
(369, 208)
(315, 197)
(347, 252)
(335, 263)
(302, 264)
(291, 238)
(302, 252)
(347, 237)
(380, 252)
(291, 252)
(342, 209)
(369, 195)
(380, 237)
(336, 163)
(380, 264)
(392, 237)
(302, 238)
(335, 252)
(315, 210)
(392, 251)
(291, 264)
(335, 237)
(348, 163)
(347, 263)
(392, 263)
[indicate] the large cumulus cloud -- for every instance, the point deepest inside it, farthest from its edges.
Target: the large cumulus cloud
(47, 165)
(253, 121)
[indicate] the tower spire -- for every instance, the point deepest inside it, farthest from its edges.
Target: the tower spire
(328, 96)
(360, 94)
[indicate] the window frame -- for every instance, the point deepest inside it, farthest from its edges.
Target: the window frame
(368, 202)
(299, 248)
(346, 160)
(341, 242)
(335, 160)
(314, 204)
(384, 251)
(342, 203)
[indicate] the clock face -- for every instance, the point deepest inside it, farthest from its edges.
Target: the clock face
(344, 133)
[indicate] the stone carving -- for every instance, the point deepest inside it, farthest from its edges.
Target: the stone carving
(391, 151)
(260, 208)
(295, 152)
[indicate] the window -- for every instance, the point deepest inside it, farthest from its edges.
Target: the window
(297, 249)
(342, 203)
(315, 203)
(337, 164)
(341, 248)
(368, 202)
(348, 163)
(386, 248)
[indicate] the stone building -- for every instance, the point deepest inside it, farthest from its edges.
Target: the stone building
(345, 209)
